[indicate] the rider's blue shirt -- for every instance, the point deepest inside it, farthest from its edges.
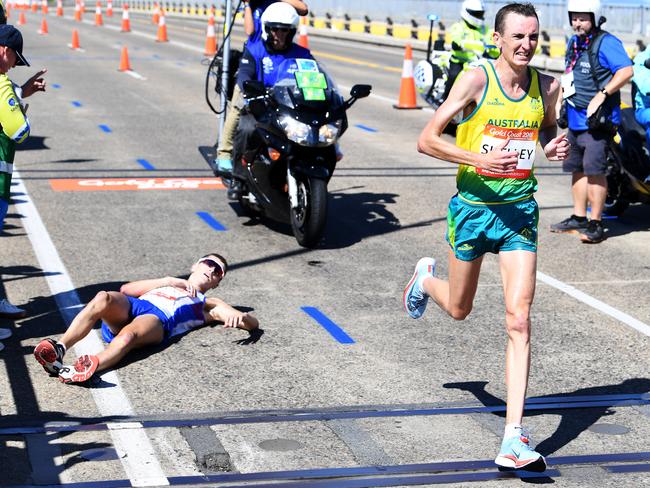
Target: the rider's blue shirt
(611, 55)
(258, 63)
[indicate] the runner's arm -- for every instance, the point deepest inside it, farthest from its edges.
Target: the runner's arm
(467, 90)
(220, 311)
(301, 7)
(140, 287)
(555, 147)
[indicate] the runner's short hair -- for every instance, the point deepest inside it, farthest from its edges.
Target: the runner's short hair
(523, 9)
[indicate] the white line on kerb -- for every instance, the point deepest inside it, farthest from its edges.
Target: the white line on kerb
(133, 446)
(595, 303)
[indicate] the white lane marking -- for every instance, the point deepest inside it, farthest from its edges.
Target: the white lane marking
(135, 74)
(137, 454)
(392, 101)
(595, 303)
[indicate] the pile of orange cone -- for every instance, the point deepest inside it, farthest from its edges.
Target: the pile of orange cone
(407, 87)
(211, 36)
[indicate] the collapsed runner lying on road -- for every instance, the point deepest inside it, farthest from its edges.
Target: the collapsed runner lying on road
(143, 313)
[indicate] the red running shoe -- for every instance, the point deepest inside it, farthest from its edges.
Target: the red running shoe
(50, 355)
(81, 371)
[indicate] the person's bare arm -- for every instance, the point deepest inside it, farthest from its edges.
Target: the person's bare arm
(467, 90)
(620, 78)
(555, 147)
(220, 311)
(139, 288)
(301, 7)
(249, 25)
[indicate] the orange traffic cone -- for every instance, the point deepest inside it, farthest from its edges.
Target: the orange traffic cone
(44, 7)
(75, 40)
(162, 27)
(126, 23)
(407, 88)
(43, 29)
(98, 14)
(59, 8)
(8, 11)
(21, 18)
(124, 60)
(77, 12)
(34, 6)
(303, 40)
(211, 37)
(109, 8)
(155, 18)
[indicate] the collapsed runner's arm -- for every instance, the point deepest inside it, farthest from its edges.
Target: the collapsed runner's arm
(140, 287)
(466, 91)
(220, 311)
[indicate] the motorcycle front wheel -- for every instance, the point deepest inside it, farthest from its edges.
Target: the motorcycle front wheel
(308, 218)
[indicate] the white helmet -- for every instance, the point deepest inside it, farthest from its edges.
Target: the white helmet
(280, 14)
(585, 6)
(473, 12)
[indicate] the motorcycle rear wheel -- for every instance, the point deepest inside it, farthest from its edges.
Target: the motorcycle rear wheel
(309, 217)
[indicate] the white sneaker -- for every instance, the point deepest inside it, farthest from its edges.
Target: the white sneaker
(9, 311)
(5, 334)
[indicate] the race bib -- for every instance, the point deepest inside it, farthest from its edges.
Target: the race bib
(524, 141)
(568, 88)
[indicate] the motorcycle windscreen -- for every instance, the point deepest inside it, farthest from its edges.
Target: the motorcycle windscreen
(304, 82)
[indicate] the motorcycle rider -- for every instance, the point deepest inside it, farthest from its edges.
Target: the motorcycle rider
(597, 67)
(253, 11)
(259, 62)
(470, 40)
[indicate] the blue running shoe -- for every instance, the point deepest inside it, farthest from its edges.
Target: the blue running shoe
(224, 166)
(516, 453)
(415, 298)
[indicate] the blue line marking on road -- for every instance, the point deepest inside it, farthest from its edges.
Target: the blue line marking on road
(211, 221)
(105, 128)
(335, 331)
(55, 85)
(75, 103)
(146, 164)
(365, 127)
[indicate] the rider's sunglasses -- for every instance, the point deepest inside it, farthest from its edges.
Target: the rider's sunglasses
(280, 29)
(217, 269)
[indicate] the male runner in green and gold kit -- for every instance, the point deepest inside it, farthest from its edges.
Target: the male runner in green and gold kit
(508, 107)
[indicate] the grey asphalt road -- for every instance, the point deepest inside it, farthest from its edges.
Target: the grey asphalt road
(406, 403)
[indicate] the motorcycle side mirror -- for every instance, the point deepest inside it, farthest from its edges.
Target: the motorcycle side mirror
(646, 63)
(360, 91)
(253, 88)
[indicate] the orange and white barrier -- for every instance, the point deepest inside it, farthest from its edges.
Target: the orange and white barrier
(77, 11)
(126, 23)
(407, 99)
(109, 8)
(44, 7)
(303, 40)
(211, 36)
(155, 18)
(162, 28)
(98, 14)
(59, 8)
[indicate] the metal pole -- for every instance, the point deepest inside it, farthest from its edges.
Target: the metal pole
(226, 64)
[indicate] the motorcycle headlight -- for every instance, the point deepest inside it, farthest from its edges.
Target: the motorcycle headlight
(295, 130)
(328, 133)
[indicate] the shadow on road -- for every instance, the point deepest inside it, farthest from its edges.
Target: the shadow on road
(573, 421)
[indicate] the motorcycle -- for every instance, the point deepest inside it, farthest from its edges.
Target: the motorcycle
(628, 166)
(431, 75)
(298, 123)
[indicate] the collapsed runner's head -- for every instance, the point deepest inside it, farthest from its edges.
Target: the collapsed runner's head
(280, 21)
